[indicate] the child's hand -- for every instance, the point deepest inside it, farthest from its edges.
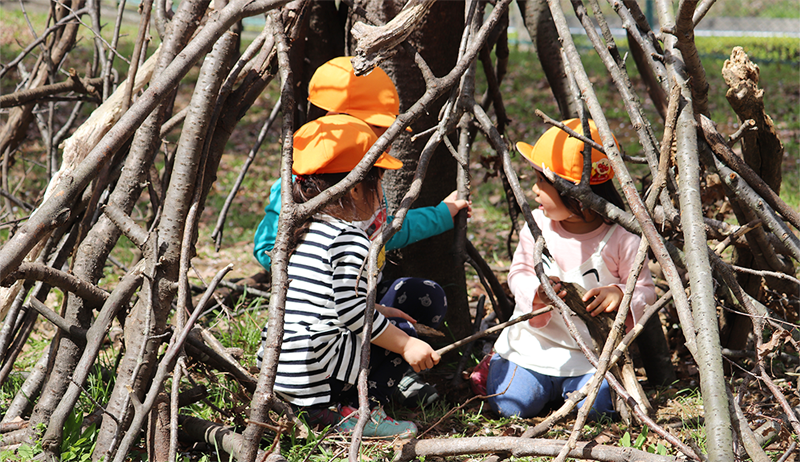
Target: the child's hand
(540, 300)
(541, 296)
(606, 299)
(419, 355)
(454, 205)
(391, 312)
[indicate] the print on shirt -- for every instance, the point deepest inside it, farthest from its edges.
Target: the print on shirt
(593, 271)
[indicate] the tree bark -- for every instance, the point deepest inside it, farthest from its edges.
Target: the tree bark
(150, 319)
(544, 35)
(435, 258)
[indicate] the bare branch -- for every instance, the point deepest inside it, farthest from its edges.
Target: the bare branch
(77, 333)
(93, 295)
(374, 44)
(129, 228)
(712, 377)
(144, 9)
(684, 31)
(73, 83)
(446, 349)
(748, 124)
(219, 435)
(264, 395)
(701, 11)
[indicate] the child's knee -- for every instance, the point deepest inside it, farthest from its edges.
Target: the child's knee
(516, 406)
(603, 404)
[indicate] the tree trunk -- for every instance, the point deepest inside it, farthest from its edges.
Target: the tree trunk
(539, 22)
(435, 257)
(763, 151)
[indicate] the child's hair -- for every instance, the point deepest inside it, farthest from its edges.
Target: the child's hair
(605, 190)
(325, 151)
(307, 187)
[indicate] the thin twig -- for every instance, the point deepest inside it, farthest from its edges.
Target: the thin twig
(446, 349)
(747, 125)
(63, 21)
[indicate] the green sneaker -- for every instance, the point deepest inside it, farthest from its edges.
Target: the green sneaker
(379, 425)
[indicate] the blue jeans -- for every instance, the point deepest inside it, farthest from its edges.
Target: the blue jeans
(529, 392)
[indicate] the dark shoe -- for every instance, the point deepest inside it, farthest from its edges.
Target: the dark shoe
(413, 391)
(318, 417)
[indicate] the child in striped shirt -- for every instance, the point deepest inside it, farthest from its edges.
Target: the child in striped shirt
(326, 298)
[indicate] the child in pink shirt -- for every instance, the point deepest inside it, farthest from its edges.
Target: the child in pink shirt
(538, 361)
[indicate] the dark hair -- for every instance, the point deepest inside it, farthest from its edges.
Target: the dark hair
(307, 187)
(606, 190)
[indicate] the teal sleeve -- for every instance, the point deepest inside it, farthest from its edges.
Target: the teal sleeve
(268, 228)
(420, 224)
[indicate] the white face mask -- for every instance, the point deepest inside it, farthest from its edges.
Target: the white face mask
(374, 224)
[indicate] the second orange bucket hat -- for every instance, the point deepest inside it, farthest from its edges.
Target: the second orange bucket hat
(563, 155)
(372, 98)
(335, 144)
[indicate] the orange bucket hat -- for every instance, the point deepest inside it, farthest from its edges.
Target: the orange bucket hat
(372, 98)
(335, 144)
(563, 155)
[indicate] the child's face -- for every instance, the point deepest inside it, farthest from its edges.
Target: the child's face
(549, 200)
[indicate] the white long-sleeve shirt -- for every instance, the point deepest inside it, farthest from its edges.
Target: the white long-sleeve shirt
(548, 348)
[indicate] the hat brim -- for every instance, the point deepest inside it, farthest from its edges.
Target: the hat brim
(527, 152)
(388, 162)
(381, 119)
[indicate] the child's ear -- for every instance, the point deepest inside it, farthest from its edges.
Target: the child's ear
(355, 193)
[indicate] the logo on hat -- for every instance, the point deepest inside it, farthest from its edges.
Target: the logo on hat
(601, 171)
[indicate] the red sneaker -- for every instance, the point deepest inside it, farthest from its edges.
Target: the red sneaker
(477, 379)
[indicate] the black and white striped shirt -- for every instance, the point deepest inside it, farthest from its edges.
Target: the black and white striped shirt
(325, 316)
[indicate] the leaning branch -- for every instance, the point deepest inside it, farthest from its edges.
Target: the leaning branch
(376, 43)
(718, 145)
(73, 83)
(90, 293)
(446, 349)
